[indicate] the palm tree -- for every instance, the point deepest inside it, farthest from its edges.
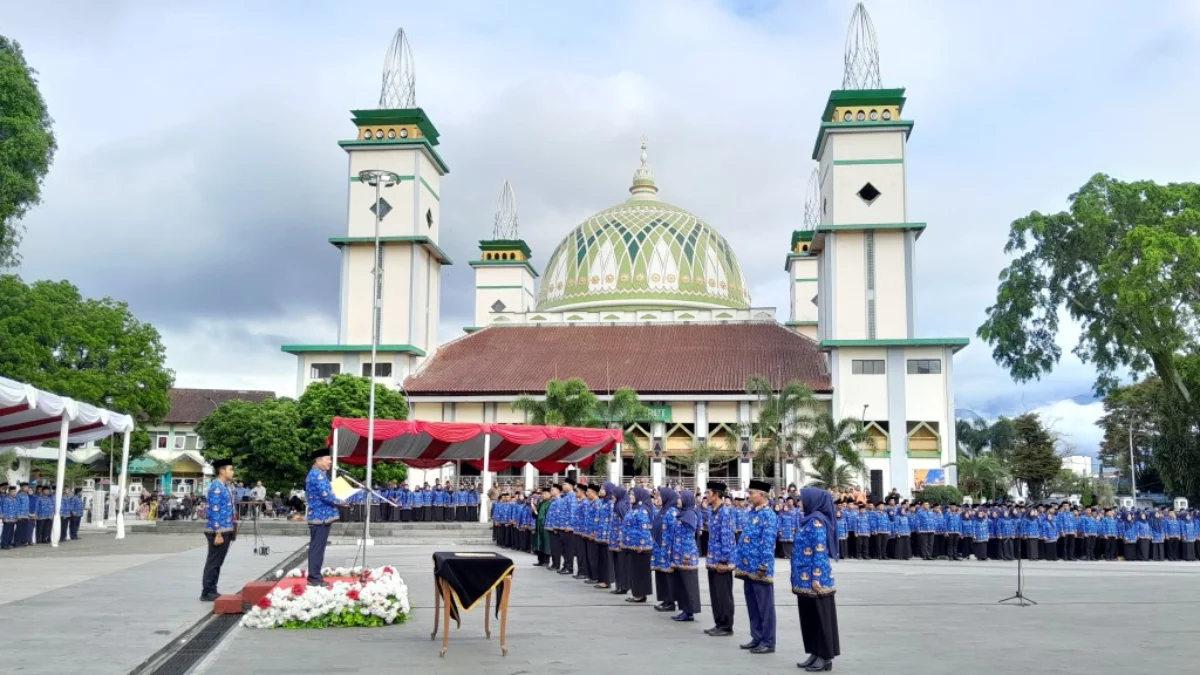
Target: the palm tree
(833, 445)
(782, 417)
(621, 411)
(982, 475)
(568, 403)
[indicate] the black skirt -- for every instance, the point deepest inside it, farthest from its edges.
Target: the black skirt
(638, 565)
(819, 625)
(686, 590)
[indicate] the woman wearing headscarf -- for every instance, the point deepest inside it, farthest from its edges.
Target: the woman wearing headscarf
(1128, 535)
(1187, 536)
(620, 507)
(685, 559)
(1142, 528)
(637, 542)
(815, 548)
(663, 531)
(1156, 535)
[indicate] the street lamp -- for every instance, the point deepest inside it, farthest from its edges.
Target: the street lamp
(1132, 471)
(378, 179)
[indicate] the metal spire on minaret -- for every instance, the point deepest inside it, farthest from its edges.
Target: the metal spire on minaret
(506, 215)
(812, 203)
(643, 179)
(399, 89)
(862, 53)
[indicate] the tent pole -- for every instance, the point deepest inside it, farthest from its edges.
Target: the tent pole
(487, 477)
(333, 471)
(616, 475)
(121, 488)
(63, 433)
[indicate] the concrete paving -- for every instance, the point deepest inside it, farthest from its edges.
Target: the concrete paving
(898, 618)
(103, 606)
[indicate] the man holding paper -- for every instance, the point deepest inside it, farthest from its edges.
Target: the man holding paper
(322, 512)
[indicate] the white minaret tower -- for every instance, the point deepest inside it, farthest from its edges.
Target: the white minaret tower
(865, 249)
(399, 138)
(802, 267)
(504, 277)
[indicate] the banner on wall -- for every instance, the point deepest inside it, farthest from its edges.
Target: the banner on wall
(923, 478)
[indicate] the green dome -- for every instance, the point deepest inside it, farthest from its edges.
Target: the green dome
(645, 253)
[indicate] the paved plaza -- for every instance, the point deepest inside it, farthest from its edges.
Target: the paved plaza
(896, 618)
(103, 607)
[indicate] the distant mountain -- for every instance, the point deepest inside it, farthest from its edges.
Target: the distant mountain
(1085, 399)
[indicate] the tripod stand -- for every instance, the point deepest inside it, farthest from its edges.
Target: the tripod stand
(1022, 600)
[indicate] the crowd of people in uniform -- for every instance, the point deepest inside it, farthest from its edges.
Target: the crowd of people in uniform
(639, 542)
(27, 510)
(396, 503)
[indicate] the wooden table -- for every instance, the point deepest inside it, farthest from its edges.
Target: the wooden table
(441, 610)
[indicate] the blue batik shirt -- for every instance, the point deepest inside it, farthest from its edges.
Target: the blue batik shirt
(785, 525)
(219, 513)
(45, 507)
(862, 522)
(756, 549)
(635, 531)
(322, 505)
(660, 556)
(722, 544)
(22, 505)
(842, 524)
(8, 508)
(812, 569)
(685, 554)
(602, 520)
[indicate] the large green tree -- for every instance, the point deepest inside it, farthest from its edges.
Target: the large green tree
(785, 416)
(568, 403)
(833, 446)
(26, 146)
(264, 440)
(344, 395)
(1124, 263)
(1034, 460)
(982, 475)
(95, 351)
(1132, 415)
(978, 436)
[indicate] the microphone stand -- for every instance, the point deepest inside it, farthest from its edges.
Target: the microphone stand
(370, 493)
(1020, 597)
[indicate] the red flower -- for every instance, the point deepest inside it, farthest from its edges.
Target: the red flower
(264, 602)
(298, 589)
(366, 574)
(352, 594)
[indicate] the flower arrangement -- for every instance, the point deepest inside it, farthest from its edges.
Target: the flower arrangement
(380, 599)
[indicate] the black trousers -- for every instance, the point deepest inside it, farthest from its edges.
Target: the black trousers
(1069, 547)
(620, 565)
(605, 573)
(843, 548)
(687, 590)
(593, 559)
(1172, 549)
(213, 562)
(639, 573)
(981, 550)
(720, 596)
(819, 625)
(75, 526)
(926, 543)
(1089, 547)
(1031, 548)
(64, 528)
(880, 545)
(8, 535)
(952, 551)
(318, 537)
(1143, 549)
(555, 549)
(44, 527)
(1189, 550)
(863, 545)
(662, 587)
(1050, 550)
(702, 542)
(1110, 548)
(581, 557)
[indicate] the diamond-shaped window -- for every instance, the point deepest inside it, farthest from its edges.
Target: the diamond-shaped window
(498, 306)
(383, 208)
(869, 193)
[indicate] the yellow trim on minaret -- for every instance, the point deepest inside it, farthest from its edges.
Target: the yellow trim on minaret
(840, 112)
(513, 254)
(388, 132)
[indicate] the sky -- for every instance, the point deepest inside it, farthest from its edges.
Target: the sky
(198, 175)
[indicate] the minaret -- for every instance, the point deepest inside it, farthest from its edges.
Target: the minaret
(865, 249)
(397, 137)
(504, 277)
(802, 267)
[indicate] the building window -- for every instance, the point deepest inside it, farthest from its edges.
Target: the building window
(162, 442)
(867, 367)
(381, 370)
(324, 371)
(199, 442)
(924, 366)
(180, 441)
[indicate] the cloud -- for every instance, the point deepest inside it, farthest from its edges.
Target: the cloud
(199, 178)
(1076, 424)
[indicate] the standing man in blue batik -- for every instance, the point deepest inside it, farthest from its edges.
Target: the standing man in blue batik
(322, 512)
(722, 549)
(218, 527)
(756, 568)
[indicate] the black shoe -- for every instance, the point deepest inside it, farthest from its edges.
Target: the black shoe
(683, 616)
(564, 571)
(820, 665)
(808, 662)
(749, 645)
(538, 564)
(208, 597)
(617, 591)
(719, 632)
(602, 587)
(665, 607)
(635, 600)
(762, 650)
(581, 577)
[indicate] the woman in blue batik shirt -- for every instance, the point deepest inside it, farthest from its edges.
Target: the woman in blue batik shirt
(812, 579)
(902, 525)
(685, 559)
(1187, 536)
(1144, 535)
(1128, 527)
(1157, 536)
(663, 531)
(1171, 532)
(1049, 525)
(637, 543)
(785, 529)
(620, 507)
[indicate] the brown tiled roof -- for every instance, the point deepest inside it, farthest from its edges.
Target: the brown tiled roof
(189, 406)
(699, 358)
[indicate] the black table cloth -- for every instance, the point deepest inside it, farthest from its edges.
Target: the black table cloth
(471, 576)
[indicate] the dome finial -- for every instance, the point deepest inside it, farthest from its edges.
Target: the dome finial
(506, 215)
(862, 53)
(643, 179)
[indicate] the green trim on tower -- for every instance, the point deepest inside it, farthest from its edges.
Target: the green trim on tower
(864, 97)
(792, 324)
(415, 116)
(858, 227)
(799, 236)
(806, 279)
(787, 263)
(471, 329)
(505, 245)
(431, 190)
(306, 349)
(906, 125)
(852, 162)
(504, 263)
(433, 249)
(399, 142)
(956, 343)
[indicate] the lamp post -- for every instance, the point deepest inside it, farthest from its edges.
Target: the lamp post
(1132, 471)
(378, 179)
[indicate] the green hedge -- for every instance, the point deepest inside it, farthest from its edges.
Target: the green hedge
(939, 494)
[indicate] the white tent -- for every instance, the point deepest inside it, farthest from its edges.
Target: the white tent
(29, 416)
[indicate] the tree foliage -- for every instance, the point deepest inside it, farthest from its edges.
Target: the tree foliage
(1132, 413)
(27, 146)
(568, 403)
(95, 351)
(833, 446)
(983, 475)
(1034, 460)
(344, 395)
(978, 436)
(785, 418)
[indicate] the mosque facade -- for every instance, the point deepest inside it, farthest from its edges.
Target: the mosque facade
(646, 294)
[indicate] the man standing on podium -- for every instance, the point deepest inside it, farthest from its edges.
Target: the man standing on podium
(322, 512)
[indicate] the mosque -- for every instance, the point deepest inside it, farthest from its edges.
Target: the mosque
(646, 294)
